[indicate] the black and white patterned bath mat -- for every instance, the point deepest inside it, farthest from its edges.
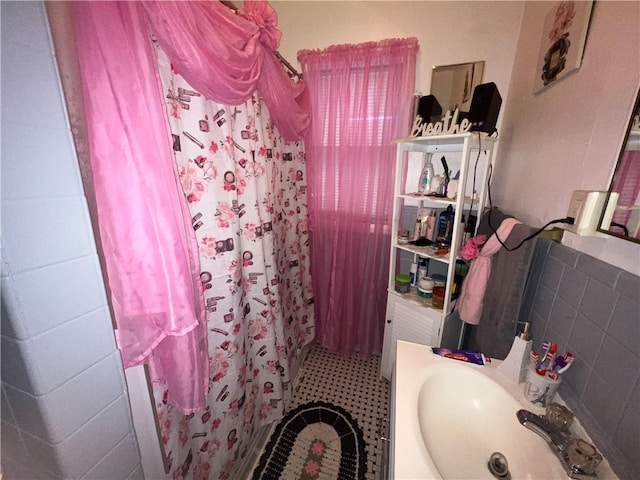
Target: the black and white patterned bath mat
(315, 441)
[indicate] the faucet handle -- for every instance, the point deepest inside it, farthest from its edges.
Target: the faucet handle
(583, 456)
(559, 415)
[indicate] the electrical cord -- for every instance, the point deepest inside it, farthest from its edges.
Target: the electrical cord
(567, 220)
(473, 186)
(625, 230)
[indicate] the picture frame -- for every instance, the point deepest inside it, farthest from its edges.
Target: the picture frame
(563, 40)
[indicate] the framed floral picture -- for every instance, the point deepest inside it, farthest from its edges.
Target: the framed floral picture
(563, 39)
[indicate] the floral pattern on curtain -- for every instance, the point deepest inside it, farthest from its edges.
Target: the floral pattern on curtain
(361, 97)
(246, 191)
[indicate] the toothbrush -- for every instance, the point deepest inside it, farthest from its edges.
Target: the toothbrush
(558, 363)
(551, 354)
(534, 357)
(561, 361)
(570, 357)
(545, 346)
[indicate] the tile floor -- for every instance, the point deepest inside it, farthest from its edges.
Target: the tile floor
(354, 383)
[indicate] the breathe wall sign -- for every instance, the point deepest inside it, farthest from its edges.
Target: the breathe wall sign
(447, 126)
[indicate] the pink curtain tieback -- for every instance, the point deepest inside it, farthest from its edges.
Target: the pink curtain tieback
(265, 17)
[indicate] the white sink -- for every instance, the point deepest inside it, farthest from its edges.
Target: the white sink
(466, 416)
(449, 417)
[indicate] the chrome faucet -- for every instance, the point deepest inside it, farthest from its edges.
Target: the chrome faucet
(560, 443)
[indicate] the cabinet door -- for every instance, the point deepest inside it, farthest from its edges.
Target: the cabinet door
(410, 323)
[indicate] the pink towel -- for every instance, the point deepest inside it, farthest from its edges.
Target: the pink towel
(475, 284)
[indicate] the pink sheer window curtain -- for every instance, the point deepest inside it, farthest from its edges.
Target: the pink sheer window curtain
(361, 97)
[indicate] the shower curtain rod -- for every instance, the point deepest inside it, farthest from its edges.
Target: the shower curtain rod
(292, 71)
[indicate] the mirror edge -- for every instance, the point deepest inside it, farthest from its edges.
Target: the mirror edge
(634, 109)
(434, 68)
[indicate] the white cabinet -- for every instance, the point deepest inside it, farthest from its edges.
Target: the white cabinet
(409, 316)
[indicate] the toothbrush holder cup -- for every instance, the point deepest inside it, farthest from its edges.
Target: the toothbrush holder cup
(539, 389)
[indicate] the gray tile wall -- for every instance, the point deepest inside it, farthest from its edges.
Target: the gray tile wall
(65, 409)
(592, 309)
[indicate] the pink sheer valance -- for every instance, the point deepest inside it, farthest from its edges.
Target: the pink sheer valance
(145, 226)
(227, 56)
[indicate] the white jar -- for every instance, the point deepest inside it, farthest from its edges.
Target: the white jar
(425, 287)
(426, 284)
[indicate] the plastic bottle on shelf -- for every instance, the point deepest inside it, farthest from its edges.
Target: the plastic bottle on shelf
(416, 231)
(424, 188)
(423, 268)
(413, 273)
(461, 233)
(430, 225)
(445, 226)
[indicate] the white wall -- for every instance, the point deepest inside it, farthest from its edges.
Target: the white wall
(448, 32)
(564, 139)
(568, 137)
(65, 411)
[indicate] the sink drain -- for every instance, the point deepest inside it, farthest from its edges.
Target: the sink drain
(498, 466)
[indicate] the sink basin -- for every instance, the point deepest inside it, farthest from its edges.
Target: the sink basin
(449, 417)
(465, 416)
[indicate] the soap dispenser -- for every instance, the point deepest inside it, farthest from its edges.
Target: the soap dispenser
(515, 365)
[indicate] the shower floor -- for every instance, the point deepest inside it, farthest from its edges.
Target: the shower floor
(353, 383)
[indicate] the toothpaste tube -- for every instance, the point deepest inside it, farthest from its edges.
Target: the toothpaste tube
(462, 355)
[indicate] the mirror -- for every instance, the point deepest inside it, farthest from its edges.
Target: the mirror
(621, 217)
(453, 85)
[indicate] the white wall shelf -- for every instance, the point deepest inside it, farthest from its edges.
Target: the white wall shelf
(409, 316)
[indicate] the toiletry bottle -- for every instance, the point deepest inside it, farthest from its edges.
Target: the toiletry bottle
(431, 225)
(413, 273)
(416, 230)
(515, 365)
(461, 233)
(445, 226)
(422, 269)
(424, 188)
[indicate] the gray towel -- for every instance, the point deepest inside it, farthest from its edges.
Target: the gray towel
(494, 334)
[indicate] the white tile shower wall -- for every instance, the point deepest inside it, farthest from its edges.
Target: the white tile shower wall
(65, 409)
(592, 309)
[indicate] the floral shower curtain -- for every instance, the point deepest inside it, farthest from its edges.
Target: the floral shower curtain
(245, 188)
